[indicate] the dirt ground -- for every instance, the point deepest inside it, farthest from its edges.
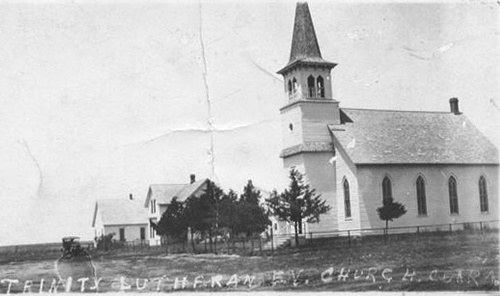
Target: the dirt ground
(450, 262)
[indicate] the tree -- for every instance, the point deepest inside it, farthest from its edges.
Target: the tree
(229, 213)
(390, 210)
(255, 217)
(297, 203)
(193, 210)
(250, 194)
(173, 224)
(203, 212)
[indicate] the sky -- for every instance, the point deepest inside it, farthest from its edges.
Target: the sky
(101, 99)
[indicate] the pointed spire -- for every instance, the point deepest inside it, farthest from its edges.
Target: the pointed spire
(305, 47)
(304, 42)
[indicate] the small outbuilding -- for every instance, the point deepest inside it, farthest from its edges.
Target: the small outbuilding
(126, 218)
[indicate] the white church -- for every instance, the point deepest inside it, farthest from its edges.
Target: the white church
(436, 163)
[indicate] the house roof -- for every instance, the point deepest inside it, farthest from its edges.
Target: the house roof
(164, 193)
(120, 212)
(392, 137)
(305, 47)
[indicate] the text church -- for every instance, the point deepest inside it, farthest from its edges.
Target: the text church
(436, 163)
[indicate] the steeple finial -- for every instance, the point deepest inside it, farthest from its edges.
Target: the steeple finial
(304, 42)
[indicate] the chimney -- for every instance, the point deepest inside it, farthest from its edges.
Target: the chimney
(131, 196)
(193, 178)
(454, 106)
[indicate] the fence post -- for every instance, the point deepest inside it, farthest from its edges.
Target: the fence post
(450, 228)
(349, 237)
(481, 226)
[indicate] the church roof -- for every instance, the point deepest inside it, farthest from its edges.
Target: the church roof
(305, 47)
(397, 137)
(163, 193)
(120, 212)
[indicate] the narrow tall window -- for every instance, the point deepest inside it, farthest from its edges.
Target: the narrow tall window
(320, 87)
(452, 190)
(295, 85)
(289, 86)
(483, 195)
(153, 206)
(386, 190)
(310, 87)
(347, 199)
(421, 200)
(122, 234)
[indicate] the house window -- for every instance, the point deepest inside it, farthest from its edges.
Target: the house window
(386, 190)
(153, 206)
(347, 199)
(421, 200)
(483, 195)
(143, 233)
(289, 86)
(122, 234)
(320, 87)
(310, 86)
(452, 190)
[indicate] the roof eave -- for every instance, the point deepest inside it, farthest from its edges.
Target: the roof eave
(427, 163)
(95, 214)
(148, 197)
(297, 63)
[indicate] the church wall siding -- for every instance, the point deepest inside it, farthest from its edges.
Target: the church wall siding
(320, 175)
(291, 137)
(403, 180)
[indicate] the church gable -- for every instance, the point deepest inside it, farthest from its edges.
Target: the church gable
(405, 137)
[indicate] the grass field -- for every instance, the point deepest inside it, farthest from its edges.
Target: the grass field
(448, 262)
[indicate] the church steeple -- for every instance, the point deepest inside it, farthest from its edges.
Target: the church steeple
(309, 110)
(307, 74)
(304, 41)
(310, 106)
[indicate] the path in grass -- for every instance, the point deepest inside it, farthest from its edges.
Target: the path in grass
(449, 262)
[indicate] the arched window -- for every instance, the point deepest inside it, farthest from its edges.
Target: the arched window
(289, 86)
(386, 190)
(421, 200)
(347, 199)
(483, 195)
(295, 85)
(452, 190)
(320, 86)
(310, 86)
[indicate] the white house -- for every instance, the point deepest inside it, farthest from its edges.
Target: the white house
(159, 196)
(126, 218)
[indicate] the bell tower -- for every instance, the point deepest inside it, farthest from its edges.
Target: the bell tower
(309, 109)
(310, 106)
